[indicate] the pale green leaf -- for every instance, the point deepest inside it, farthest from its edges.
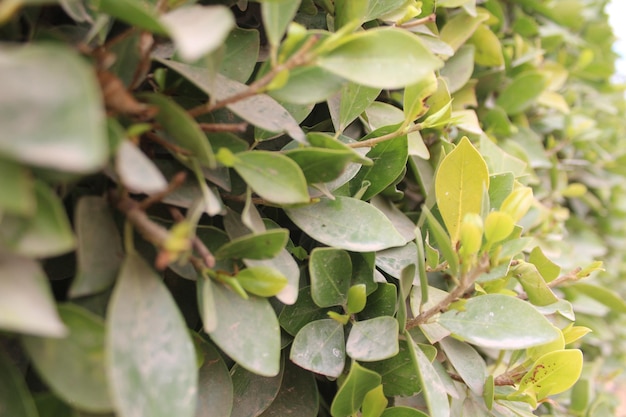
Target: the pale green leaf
(499, 322)
(468, 363)
(254, 393)
(256, 343)
(319, 346)
(264, 245)
(273, 176)
(459, 68)
(444, 243)
(26, 301)
(198, 30)
(488, 49)
(461, 178)
(330, 270)
(373, 340)
(339, 223)
(51, 86)
(136, 171)
(276, 17)
(602, 294)
(460, 28)
(15, 397)
(383, 58)
(73, 366)
(139, 13)
(308, 85)
(351, 394)
(151, 361)
(240, 57)
(523, 91)
(349, 103)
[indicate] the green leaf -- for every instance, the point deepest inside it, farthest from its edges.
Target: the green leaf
(488, 49)
(548, 269)
(339, 223)
(533, 283)
(523, 91)
(459, 68)
(73, 367)
(373, 340)
(603, 295)
(374, 403)
(351, 394)
(398, 373)
(389, 162)
(255, 246)
(461, 178)
(17, 194)
(553, 373)
(240, 57)
(379, 8)
(254, 393)
(499, 322)
(468, 363)
(56, 89)
(15, 397)
(151, 360)
(99, 253)
(460, 28)
(256, 343)
(181, 128)
(26, 301)
(500, 186)
(320, 347)
(382, 58)
(330, 270)
(198, 30)
(321, 165)
(298, 394)
(443, 241)
(263, 281)
(277, 15)
(139, 13)
(416, 94)
(350, 11)
(215, 387)
(206, 303)
(381, 302)
(47, 233)
(357, 297)
(349, 103)
(136, 171)
(434, 390)
(308, 85)
(260, 110)
(402, 411)
(295, 317)
(273, 176)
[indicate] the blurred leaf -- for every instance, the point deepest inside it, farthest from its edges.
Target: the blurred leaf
(352, 392)
(215, 387)
(263, 281)
(373, 340)
(488, 49)
(255, 246)
(256, 343)
(402, 411)
(73, 367)
(277, 15)
(308, 85)
(383, 58)
(461, 178)
(350, 11)
(338, 223)
(137, 172)
(240, 57)
(522, 92)
(151, 360)
(603, 295)
(319, 346)
(139, 13)
(460, 28)
(182, 128)
(298, 394)
(330, 270)
(499, 322)
(198, 30)
(15, 397)
(17, 194)
(273, 176)
(459, 68)
(254, 393)
(51, 109)
(26, 302)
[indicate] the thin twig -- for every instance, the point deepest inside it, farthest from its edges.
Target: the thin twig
(223, 127)
(368, 143)
(302, 57)
(418, 22)
(205, 254)
(167, 145)
(570, 276)
(174, 183)
(465, 283)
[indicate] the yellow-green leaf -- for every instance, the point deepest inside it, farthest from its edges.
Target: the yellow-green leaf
(553, 373)
(459, 185)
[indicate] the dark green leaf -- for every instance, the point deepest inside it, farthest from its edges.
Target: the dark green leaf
(381, 302)
(398, 373)
(15, 397)
(321, 165)
(254, 393)
(255, 246)
(99, 252)
(330, 270)
(350, 395)
(339, 223)
(297, 396)
(215, 388)
(296, 316)
(151, 360)
(73, 367)
(139, 13)
(320, 347)
(256, 343)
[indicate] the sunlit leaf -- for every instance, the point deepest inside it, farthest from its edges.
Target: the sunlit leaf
(552, 373)
(373, 340)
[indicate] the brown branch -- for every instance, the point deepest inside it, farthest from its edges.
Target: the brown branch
(465, 284)
(174, 183)
(149, 230)
(418, 22)
(205, 254)
(302, 57)
(223, 127)
(167, 145)
(570, 276)
(368, 143)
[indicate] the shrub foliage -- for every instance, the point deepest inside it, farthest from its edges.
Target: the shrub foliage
(367, 208)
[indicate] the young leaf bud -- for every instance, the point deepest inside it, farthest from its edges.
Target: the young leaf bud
(498, 226)
(263, 281)
(518, 203)
(357, 297)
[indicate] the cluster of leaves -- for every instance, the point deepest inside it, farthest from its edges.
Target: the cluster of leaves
(358, 207)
